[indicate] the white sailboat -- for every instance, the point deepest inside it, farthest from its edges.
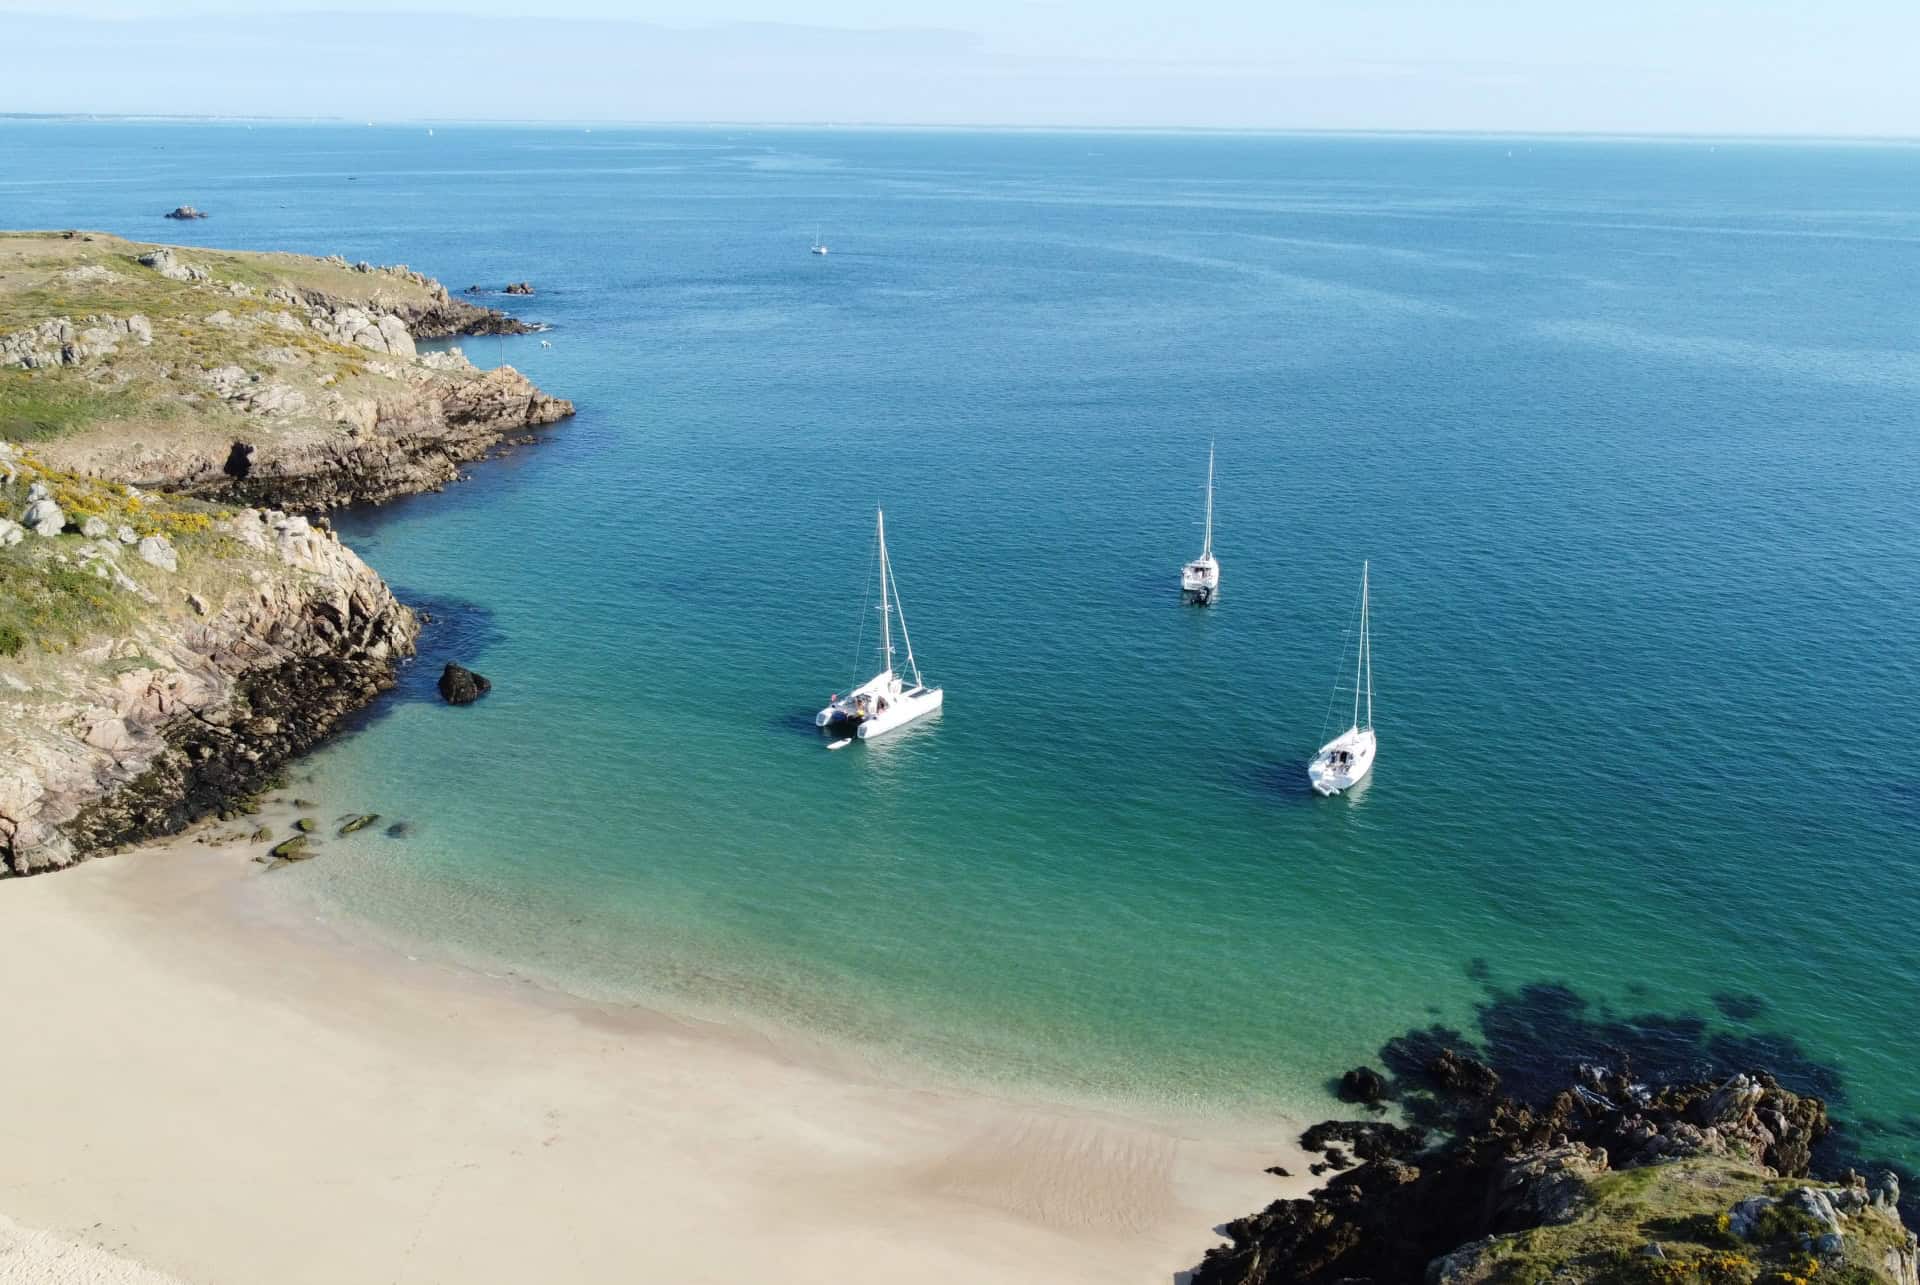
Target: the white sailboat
(1200, 579)
(1348, 757)
(819, 246)
(886, 700)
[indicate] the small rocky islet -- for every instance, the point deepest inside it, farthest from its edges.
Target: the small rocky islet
(179, 621)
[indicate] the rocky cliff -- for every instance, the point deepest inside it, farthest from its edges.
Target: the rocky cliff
(170, 636)
(270, 379)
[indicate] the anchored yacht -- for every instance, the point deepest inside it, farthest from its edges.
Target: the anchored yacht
(1346, 758)
(1200, 579)
(886, 700)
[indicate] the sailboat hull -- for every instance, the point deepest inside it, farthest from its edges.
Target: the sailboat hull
(1342, 762)
(1200, 579)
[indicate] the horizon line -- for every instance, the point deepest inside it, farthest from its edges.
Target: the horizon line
(977, 127)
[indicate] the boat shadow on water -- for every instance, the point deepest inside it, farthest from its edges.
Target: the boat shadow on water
(1285, 781)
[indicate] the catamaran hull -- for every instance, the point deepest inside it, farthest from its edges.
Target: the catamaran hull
(900, 711)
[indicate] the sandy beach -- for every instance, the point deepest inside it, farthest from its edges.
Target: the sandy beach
(205, 1087)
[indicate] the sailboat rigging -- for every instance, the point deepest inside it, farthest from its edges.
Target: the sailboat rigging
(1348, 757)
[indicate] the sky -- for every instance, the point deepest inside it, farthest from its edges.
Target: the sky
(1774, 67)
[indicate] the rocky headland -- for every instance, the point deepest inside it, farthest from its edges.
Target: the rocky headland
(1608, 1179)
(176, 619)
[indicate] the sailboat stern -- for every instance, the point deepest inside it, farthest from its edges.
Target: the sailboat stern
(1342, 762)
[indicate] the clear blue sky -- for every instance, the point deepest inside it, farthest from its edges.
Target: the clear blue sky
(1673, 66)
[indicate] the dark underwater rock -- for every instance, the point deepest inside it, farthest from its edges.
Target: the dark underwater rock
(461, 686)
(1364, 1085)
(1453, 1072)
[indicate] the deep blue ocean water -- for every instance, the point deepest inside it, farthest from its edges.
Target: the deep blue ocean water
(1627, 430)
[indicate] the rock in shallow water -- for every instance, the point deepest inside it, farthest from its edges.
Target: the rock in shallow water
(461, 686)
(1362, 1084)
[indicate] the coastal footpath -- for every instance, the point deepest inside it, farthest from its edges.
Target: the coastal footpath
(176, 620)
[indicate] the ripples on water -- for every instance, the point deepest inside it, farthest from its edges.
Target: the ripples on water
(1626, 429)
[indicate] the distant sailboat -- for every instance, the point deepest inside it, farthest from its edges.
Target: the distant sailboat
(884, 701)
(819, 246)
(1346, 758)
(1200, 579)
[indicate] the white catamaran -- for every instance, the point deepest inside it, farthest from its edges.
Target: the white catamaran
(1200, 579)
(885, 701)
(1346, 758)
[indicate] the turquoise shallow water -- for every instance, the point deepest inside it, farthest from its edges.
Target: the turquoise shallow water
(1627, 430)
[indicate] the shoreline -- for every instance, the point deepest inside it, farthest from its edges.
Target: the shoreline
(295, 1082)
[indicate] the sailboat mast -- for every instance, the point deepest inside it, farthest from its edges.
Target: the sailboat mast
(886, 611)
(1206, 548)
(1360, 656)
(1366, 642)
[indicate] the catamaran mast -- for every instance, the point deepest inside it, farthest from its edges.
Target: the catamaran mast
(1206, 548)
(886, 575)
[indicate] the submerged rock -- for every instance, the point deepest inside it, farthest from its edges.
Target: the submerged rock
(399, 830)
(359, 823)
(1453, 1072)
(294, 849)
(305, 825)
(1362, 1084)
(461, 686)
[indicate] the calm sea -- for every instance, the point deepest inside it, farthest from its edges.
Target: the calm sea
(1626, 429)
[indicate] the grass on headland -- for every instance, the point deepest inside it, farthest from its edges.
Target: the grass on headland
(1682, 1208)
(48, 601)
